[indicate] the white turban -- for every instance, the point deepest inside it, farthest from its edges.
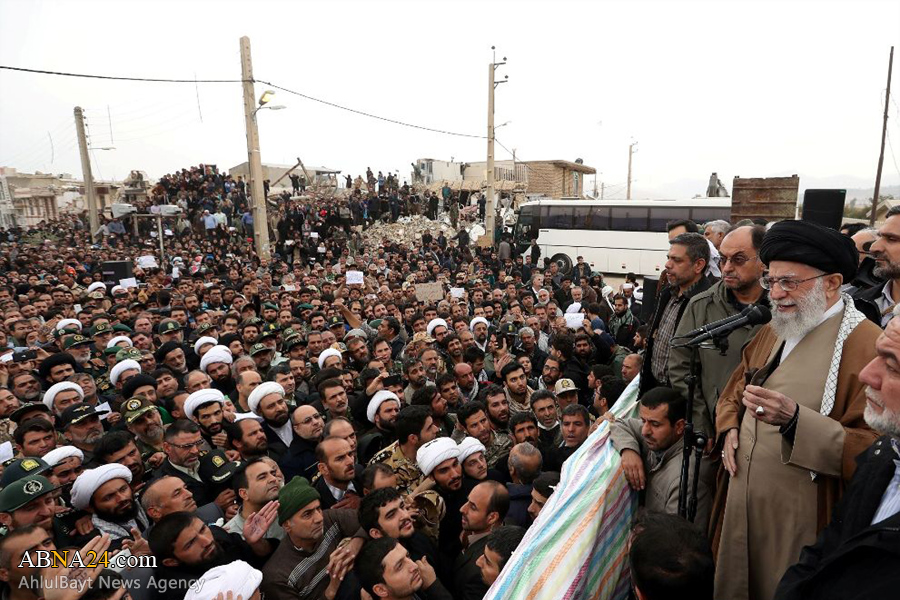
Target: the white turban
(204, 341)
(434, 453)
(574, 308)
(66, 322)
(117, 339)
(56, 388)
(432, 324)
(476, 321)
(7, 357)
(216, 354)
(201, 397)
(607, 291)
(54, 457)
(117, 288)
(468, 447)
(125, 365)
(87, 483)
(250, 415)
(97, 285)
(377, 400)
(326, 353)
(238, 577)
(261, 391)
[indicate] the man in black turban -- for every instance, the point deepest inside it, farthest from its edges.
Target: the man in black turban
(789, 436)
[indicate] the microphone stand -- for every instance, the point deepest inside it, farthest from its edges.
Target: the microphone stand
(694, 442)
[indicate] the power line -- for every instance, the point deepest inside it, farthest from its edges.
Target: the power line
(116, 78)
(370, 115)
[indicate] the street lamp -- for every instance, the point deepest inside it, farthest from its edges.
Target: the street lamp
(267, 95)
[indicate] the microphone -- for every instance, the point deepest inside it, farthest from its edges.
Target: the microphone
(709, 326)
(752, 315)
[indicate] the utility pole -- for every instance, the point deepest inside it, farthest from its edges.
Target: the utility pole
(94, 218)
(602, 185)
(887, 100)
(630, 154)
(489, 201)
(260, 218)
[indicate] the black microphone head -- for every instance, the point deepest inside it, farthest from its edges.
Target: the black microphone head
(758, 315)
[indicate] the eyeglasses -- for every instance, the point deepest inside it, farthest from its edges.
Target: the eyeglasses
(188, 446)
(310, 419)
(785, 283)
(738, 260)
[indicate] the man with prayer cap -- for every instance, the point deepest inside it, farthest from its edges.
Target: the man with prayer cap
(314, 540)
(789, 437)
(237, 577)
(437, 329)
(204, 407)
(439, 459)
(382, 412)
(62, 395)
(120, 373)
(105, 492)
(267, 401)
(216, 363)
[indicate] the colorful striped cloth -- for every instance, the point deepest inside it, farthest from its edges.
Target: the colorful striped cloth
(578, 547)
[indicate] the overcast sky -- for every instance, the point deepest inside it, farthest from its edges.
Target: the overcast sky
(742, 88)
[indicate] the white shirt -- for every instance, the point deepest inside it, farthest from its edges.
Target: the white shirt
(791, 343)
(285, 433)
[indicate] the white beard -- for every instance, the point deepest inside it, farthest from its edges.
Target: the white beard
(886, 422)
(805, 318)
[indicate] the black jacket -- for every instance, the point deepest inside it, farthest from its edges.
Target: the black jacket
(865, 302)
(277, 448)
(519, 501)
(300, 459)
(202, 493)
(853, 558)
(467, 575)
(648, 381)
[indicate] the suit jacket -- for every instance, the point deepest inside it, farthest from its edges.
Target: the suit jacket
(300, 459)
(326, 498)
(852, 558)
(202, 493)
(467, 575)
(277, 448)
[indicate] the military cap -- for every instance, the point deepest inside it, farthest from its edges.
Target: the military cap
(77, 413)
(100, 328)
(22, 491)
(259, 348)
(134, 407)
(17, 414)
(168, 326)
(77, 340)
(28, 466)
(215, 467)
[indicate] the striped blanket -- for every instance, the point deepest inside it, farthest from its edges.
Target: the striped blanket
(578, 547)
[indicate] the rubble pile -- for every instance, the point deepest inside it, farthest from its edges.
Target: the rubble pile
(409, 230)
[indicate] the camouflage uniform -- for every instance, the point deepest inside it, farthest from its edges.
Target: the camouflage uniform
(499, 447)
(7, 428)
(430, 505)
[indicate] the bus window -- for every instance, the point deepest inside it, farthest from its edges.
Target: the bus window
(528, 224)
(662, 215)
(557, 217)
(705, 215)
(592, 218)
(629, 219)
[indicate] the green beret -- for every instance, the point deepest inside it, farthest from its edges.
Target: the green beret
(22, 491)
(123, 328)
(294, 496)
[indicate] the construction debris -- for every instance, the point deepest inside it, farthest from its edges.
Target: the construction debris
(408, 230)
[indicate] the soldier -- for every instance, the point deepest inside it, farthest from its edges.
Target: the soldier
(414, 427)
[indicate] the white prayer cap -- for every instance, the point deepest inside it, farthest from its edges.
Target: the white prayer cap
(477, 320)
(216, 354)
(117, 339)
(326, 353)
(204, 341)
(377, 400)
(117, 288)
(88, 482)
(607, 291)
(574, 308)
(434, 453)
(97, 285)
(250, 415)
(432, 324)
(201, 397)
(54, 457)
(7, 357)
(468, 447)
(261, 391)
(639, 294)
(56, 388)
(67, 322)
(627, 286)
(121, 367)
(237, 577)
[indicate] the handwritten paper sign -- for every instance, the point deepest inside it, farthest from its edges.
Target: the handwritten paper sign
(429, 292)
(574, 320)
(354, 277)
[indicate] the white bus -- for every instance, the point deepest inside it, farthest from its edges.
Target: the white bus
(613, 236)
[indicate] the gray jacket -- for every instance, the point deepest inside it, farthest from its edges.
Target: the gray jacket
(662, 472)
(714, 370)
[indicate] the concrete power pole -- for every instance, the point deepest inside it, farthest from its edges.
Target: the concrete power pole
(489, 224)
(88, 176)
(630, 154)
(260, 217)
(887, 100)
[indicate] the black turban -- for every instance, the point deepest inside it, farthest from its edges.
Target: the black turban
(136, 381)
(54, 360)
(810, 244)
(161, 352)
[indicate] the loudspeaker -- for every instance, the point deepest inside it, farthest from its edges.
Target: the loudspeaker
(648, 304)
(824, 207)
(115, 270)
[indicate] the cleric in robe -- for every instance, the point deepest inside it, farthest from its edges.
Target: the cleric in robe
(789, 438)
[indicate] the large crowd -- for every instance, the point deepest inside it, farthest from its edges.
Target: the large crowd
(316, 425)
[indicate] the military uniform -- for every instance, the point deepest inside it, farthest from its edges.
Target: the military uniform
(7, 428)
(499, 447)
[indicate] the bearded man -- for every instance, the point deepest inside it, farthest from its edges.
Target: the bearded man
(789, 437)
